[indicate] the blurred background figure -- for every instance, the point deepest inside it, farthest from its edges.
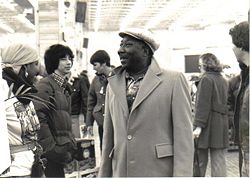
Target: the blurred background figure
(97, 91)
(42, 73)
(194, 79)
(240, 39)
(20, 65)
(211, 119)
(79, 98)
(233, 87)
(56, 135)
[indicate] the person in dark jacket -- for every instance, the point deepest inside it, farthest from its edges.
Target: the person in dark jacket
(79, 98)
(240, 39)
(211, 116)
(55, 134)
(233, 87)
(96, 96)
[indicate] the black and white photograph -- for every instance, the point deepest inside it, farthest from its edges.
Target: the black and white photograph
(124, 88)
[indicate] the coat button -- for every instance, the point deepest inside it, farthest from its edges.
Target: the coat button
(129, 137)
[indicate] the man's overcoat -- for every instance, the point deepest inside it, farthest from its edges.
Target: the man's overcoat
(155, 138)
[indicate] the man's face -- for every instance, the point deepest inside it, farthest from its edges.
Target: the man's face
(98, 67)
(241, 56)
(132, 53)
(33, 69)
(238, 53)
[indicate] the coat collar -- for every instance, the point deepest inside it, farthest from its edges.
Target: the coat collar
(150, 82)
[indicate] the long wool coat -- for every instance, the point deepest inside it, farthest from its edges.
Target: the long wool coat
(155, 138)
(212, 111)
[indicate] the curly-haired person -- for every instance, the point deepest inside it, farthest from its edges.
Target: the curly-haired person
(211, 119)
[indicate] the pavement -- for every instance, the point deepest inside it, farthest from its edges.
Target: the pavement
(232, 164)
(231, 158)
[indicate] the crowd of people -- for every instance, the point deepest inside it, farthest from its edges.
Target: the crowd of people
(146, 123)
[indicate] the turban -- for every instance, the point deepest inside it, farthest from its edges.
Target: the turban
(17, 55)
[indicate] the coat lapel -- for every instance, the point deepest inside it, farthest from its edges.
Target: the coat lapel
(118, 86)
(149, 83)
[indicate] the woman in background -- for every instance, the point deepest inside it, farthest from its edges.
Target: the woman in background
(211, 119)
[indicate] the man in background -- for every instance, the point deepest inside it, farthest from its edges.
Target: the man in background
(97, 91)
(240, 39)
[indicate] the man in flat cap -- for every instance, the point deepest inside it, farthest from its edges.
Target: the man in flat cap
(147, 124)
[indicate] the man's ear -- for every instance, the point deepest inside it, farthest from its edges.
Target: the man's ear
(146, 51)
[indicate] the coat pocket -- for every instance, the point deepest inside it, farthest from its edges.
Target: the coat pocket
(164, 150)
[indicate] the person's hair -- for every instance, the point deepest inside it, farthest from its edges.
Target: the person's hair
(240, 35)
(210, 63)
(53, 55)
(100, 56)
(84, 72)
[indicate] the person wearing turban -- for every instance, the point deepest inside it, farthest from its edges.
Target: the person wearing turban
(20, 64)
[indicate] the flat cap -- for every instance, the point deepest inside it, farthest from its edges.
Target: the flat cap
(143, 35)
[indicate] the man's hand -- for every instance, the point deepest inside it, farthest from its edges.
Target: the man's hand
(197, 132)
